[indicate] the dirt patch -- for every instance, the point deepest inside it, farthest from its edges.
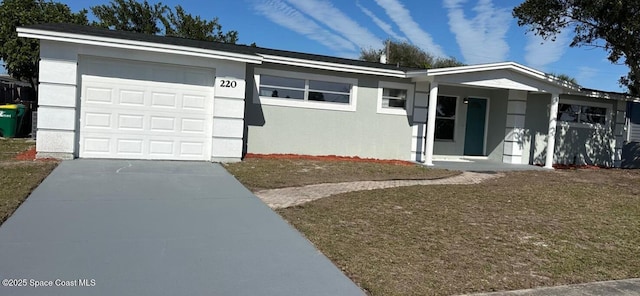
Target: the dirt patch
(31, 155)
(272, 172)
(328, 158)
(27, 155)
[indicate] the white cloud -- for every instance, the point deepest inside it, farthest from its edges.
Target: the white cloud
(586, 74)
(483, 38)
(540, 53)
(284, 15)
(380, 23)
(327, 14)
(401, 16)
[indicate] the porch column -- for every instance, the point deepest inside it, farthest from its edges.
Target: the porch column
(551, 135)
(514, 136)
(431, 123)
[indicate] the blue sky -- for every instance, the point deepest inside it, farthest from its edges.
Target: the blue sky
(473, 31)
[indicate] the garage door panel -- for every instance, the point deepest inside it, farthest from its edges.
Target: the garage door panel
(128, 118)
(130, 122)
(193, 102)
(163, 100)
(99, 95)
(129, 146)
(131, 98)
(162, 124)
(97, 120)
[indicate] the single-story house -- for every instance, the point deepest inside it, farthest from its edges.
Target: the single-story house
(113, 94)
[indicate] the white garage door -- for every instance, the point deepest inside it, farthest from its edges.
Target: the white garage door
(141, 119)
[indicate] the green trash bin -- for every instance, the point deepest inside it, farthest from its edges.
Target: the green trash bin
(10, 115)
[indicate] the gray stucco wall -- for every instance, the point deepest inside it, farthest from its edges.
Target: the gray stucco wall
(363, 133)
(574, 145)
(497, 104)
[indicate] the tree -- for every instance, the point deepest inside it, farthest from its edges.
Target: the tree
(21, 55)
(406, 54)
(182, 24)
(564, 77)
(130, 15)
(142, 17)
(612, 25)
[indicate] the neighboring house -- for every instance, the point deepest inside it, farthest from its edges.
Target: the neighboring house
(631, 148)
(13, 90)
(110, 94)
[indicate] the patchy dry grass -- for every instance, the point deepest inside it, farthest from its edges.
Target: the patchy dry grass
(260, 174)
(18, 178)
(9, 148)
(525, 230)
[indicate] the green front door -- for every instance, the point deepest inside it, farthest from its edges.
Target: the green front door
(474, 135)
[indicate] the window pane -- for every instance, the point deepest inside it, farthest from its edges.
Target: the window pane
(568, 112)
(394, 103)
(594, 110)
(593, 115)
(394, 98)
(281, 93)
(281, 81)
(330, 86)
(446, 107)
(444, 129)
(328, 97)
(593, 119)
(393, 92)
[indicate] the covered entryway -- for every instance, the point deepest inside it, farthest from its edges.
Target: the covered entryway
(136, 110)
(475, 131)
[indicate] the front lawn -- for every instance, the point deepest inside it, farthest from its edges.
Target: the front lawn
(524, 230)
(18, 178)
(527, 229)
(259, 174)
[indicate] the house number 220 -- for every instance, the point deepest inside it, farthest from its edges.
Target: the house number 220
(228, 83)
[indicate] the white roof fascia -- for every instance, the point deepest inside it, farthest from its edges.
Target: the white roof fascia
(606, 95)
(496, 66)
(488, 67)
(136, 45)
(332, 66)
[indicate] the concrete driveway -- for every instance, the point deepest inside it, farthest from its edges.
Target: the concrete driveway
(114, 227)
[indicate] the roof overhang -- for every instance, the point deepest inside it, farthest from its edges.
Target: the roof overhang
(136, 45)
(276, 59)
(507, 75)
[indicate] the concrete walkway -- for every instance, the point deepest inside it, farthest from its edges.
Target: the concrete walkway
(627, 287)
(110, 227)
(292, 196)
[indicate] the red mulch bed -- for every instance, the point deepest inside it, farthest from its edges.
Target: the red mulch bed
(558, 166)
(31, 155)
(328, 158)
(575, 167)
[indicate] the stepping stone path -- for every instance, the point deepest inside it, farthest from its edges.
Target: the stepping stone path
(293, 196)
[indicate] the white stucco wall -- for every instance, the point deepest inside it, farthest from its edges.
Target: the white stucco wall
(59, 96)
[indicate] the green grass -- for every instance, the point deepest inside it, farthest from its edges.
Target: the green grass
(525, 230)
(259, 174)
(18, 178)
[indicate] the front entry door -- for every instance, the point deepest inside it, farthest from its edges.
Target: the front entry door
(476, 119)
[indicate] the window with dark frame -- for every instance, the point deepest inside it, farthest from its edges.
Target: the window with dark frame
(582, 114)
(445, 118)
(394, 98)
(305, 89)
